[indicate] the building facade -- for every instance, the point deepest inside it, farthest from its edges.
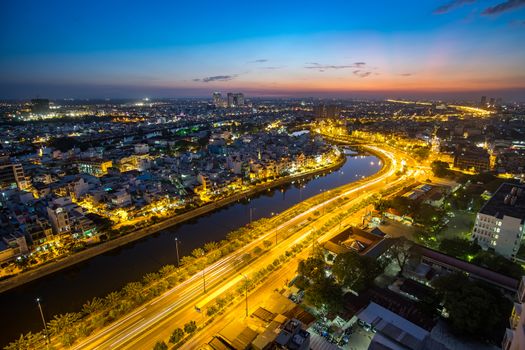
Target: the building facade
(500, 222)
(514, 338)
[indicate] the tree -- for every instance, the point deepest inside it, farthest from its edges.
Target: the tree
(476, 310)
(210, 246)
(498, 263)
(355, 271)
(197, 253)
(267, 244)
(133, 290)
(176, 336)
(150, 278)
(324, 294)
(160, 345)
(190, 327)
(187, 260)
(92, 306)
(167, 270)
(62, 323)
(459, 247)
(311, 268)
(400, 252)
(439, 168)
(112, 298)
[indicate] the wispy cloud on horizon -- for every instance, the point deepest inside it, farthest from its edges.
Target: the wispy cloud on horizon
(361, 73)
(449, 6)
(260, 60)
(503, 7)
(323, 67)
(216, 78)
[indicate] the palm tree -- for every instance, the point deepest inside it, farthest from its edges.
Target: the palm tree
(19, 344)
(208, 247)
(133, 290)
(112, 298)
(197, 252)
(61, 323)
(150, 278)
(187, 260)
(167, 270)
(92, 306)
(177, 336)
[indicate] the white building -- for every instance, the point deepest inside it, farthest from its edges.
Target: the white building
(500, 224)
(514, 338)
(59, 219)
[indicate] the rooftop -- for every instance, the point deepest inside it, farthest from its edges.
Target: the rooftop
(508, 200)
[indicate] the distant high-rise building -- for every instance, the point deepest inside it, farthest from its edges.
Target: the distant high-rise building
(491, 102)
(327, 111)
(217, 99)
(40, 106)
(235, 99)
(483, 101)
(499, 101)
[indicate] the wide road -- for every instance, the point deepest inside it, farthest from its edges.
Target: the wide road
(175, 307)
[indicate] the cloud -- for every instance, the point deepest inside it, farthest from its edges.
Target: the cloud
(503, 7)
(361, 73)
(451, 5)
(273, 67)
(323, 67)
(406, 74)
(260, 60)
(216, 78)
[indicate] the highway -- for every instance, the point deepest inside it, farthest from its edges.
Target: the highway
(157, 319)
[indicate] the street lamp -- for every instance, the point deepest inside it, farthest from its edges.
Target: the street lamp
(245, 290)
(177, 250)
(313, 242)
(204, 277)
(43, 320)
(251, 214)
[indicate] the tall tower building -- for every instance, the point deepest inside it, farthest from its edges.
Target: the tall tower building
(39, 106)
(217, 99)
(483, 102)
(323, 111)
(235, 99)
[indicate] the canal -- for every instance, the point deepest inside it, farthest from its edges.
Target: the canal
(68, 289)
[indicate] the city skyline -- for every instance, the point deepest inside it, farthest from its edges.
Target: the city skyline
(439, 49)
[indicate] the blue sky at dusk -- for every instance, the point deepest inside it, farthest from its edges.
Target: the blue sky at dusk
(284, 48)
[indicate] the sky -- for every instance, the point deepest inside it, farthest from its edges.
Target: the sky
(118, 49)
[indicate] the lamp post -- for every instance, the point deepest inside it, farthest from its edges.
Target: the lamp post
(313, 242)
(245, 291)
(251, 214)
(177, 250)
(204, 277)
(43, 320)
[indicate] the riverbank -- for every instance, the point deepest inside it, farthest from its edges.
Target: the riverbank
(91, 252)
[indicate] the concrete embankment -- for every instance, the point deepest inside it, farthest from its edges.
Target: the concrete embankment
(93, 251)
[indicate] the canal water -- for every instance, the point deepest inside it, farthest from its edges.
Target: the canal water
(68, 289)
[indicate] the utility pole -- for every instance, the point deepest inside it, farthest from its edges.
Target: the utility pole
(251, 214)
(177, 250)
(204, 278)
(313, 242)
(43, 320)
(245, 291)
